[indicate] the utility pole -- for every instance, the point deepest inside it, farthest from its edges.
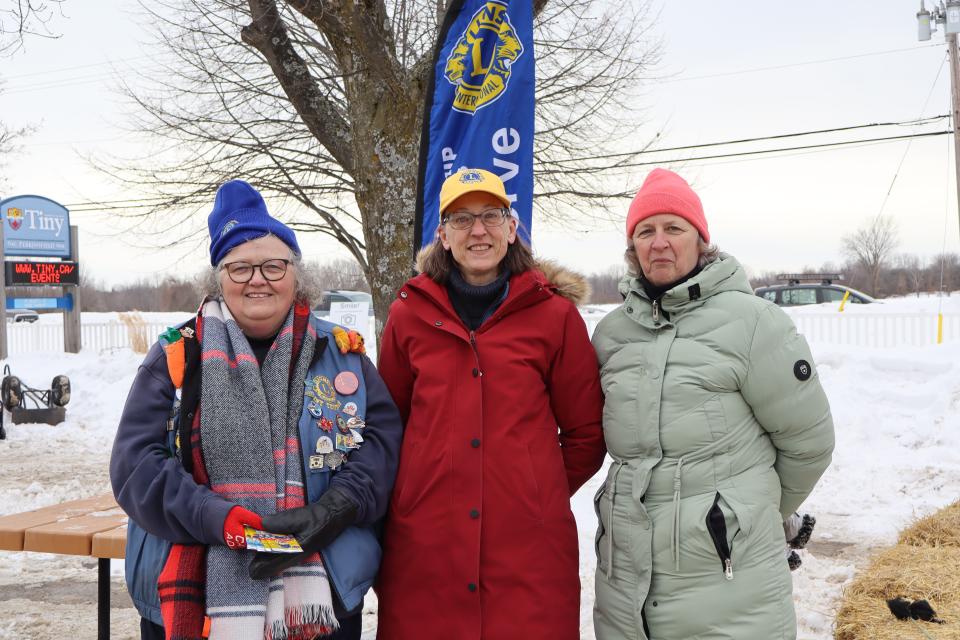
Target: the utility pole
(947, 14)
(955, 109)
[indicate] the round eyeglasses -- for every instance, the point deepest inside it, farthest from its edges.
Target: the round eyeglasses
(242, 272)
(463, 220)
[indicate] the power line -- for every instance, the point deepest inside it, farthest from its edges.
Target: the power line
(73, 68)
(796, 64)
(824, 145)
(917, 122)
(896, 173)
(43, 85)
(142, 203)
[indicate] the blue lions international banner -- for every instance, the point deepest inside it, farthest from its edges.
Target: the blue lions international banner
(479, 106)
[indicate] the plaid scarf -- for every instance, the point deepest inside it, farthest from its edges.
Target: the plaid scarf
(245, 445)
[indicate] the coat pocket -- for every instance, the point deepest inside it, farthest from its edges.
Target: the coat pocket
(530, 486)
(723, 528)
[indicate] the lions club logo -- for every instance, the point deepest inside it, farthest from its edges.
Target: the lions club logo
(479, 64)
(14, 218)
(467, 176)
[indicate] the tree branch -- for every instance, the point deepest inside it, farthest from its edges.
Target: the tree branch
(538, 6)
(268, 35)
(362, 36)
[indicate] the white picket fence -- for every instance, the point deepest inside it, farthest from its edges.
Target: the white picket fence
(856, 329)
(98, 336)
(884, 330)
(876, 330)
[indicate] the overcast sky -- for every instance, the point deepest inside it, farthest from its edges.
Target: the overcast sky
(730, 70)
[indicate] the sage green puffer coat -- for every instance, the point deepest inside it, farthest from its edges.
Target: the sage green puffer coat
(718, 428)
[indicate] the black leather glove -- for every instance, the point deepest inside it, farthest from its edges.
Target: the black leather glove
(314, 526)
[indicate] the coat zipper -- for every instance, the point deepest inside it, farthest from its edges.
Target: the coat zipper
(717, 527)
(656, 311)
(476, 353)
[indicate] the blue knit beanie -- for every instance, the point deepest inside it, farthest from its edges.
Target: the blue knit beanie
(239, 215)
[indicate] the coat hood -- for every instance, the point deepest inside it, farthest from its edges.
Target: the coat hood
(571, 285)
(722, 275)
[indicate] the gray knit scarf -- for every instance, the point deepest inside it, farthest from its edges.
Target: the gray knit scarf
(251, 447)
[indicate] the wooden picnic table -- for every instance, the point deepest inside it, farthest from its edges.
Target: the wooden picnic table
(94, 527)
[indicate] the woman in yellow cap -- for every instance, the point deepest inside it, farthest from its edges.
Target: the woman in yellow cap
(489, 363)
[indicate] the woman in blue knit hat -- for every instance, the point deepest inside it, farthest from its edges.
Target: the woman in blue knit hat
(254, 415)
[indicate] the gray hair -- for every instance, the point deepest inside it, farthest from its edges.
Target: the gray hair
(307, 287)
(708, 254)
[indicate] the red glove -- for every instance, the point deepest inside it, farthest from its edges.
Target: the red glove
(233, 534)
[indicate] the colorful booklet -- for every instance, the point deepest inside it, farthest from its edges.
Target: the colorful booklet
(270, 542)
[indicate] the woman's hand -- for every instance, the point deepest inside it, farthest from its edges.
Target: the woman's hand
(314, 526)
(233, 535)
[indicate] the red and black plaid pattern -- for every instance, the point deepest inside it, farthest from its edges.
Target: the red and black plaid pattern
(182, 582)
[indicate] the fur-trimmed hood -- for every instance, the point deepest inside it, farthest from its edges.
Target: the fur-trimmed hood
(569, 284)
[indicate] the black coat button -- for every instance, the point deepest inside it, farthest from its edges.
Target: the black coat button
(474, 514)
(472, 587)
(476, 372)
(475, 443)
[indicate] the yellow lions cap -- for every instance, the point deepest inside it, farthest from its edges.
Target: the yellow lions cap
(470, 180)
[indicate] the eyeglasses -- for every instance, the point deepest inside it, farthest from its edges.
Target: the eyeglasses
(463, 220)
(242, 272)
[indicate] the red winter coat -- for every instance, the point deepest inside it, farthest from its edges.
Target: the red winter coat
(502, 426)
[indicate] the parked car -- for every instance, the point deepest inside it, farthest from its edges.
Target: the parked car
(22, 315)
(798, 293)
(342, 295)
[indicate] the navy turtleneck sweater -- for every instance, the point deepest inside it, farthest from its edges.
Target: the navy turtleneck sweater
(474, 304)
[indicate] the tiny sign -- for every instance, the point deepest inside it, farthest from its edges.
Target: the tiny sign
(35, 226)
(22, 272)
(352, 315)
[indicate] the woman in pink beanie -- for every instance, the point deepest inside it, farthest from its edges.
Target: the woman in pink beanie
(718, 429)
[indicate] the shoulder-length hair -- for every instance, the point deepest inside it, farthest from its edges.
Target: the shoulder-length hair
(437, 262)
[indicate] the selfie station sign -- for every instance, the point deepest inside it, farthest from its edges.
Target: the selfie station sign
(40, 250)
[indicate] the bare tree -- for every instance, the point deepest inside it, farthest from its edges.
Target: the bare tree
(605, 285)
(9, 143)
(19, 19)
(871, 246)
(909, 272)
(22, 18)
(319, 104)
(159, 294)
(342, 274)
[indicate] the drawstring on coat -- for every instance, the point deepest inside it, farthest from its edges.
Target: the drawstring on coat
(675, 534)
(705, 453)
(613, 495)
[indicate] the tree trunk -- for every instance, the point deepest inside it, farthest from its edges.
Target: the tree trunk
(386, 139)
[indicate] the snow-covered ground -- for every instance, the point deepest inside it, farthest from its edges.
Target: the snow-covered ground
(897, 415)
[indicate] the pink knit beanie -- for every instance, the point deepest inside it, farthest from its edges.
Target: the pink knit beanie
(665, 192)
